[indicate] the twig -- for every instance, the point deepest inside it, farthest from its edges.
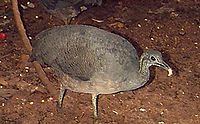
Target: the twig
(28, 47)
(20, 26)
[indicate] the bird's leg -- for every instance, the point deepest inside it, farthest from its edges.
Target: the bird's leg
(61, 95)
(95, 104)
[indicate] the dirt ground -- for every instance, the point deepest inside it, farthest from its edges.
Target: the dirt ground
(170, 26)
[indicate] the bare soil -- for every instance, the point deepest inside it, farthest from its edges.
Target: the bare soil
(170, 26)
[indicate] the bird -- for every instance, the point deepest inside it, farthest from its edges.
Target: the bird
(88, 59)
(66, 10)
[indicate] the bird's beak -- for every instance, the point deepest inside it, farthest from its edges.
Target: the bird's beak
(165, 66)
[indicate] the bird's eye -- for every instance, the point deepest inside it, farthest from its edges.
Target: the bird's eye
(153, 58)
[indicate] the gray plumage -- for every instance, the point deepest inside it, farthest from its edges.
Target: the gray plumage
(90, 60)
(59, 4)
(68, 9)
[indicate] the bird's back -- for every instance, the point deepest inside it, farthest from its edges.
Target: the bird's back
(86, 53)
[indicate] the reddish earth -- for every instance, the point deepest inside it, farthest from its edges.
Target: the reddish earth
(170, 26)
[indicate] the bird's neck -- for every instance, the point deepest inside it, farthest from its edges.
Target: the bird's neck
(144, 72)
(137, 81)
(144, 69)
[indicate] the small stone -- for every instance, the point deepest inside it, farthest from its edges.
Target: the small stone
(50, 99)
(48, 68)
(24, 100)
(36, 17)
(115, 112)
(4, 17)
(26, 67)
(30, 37)
(83, 8)
(161, 122)
(182, 33)
(30, 5)
(31, 103)
(152, 38)
(142, 110)
(42, 101)
(139, 25)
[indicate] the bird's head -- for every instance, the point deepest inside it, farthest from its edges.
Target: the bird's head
(153, 57)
